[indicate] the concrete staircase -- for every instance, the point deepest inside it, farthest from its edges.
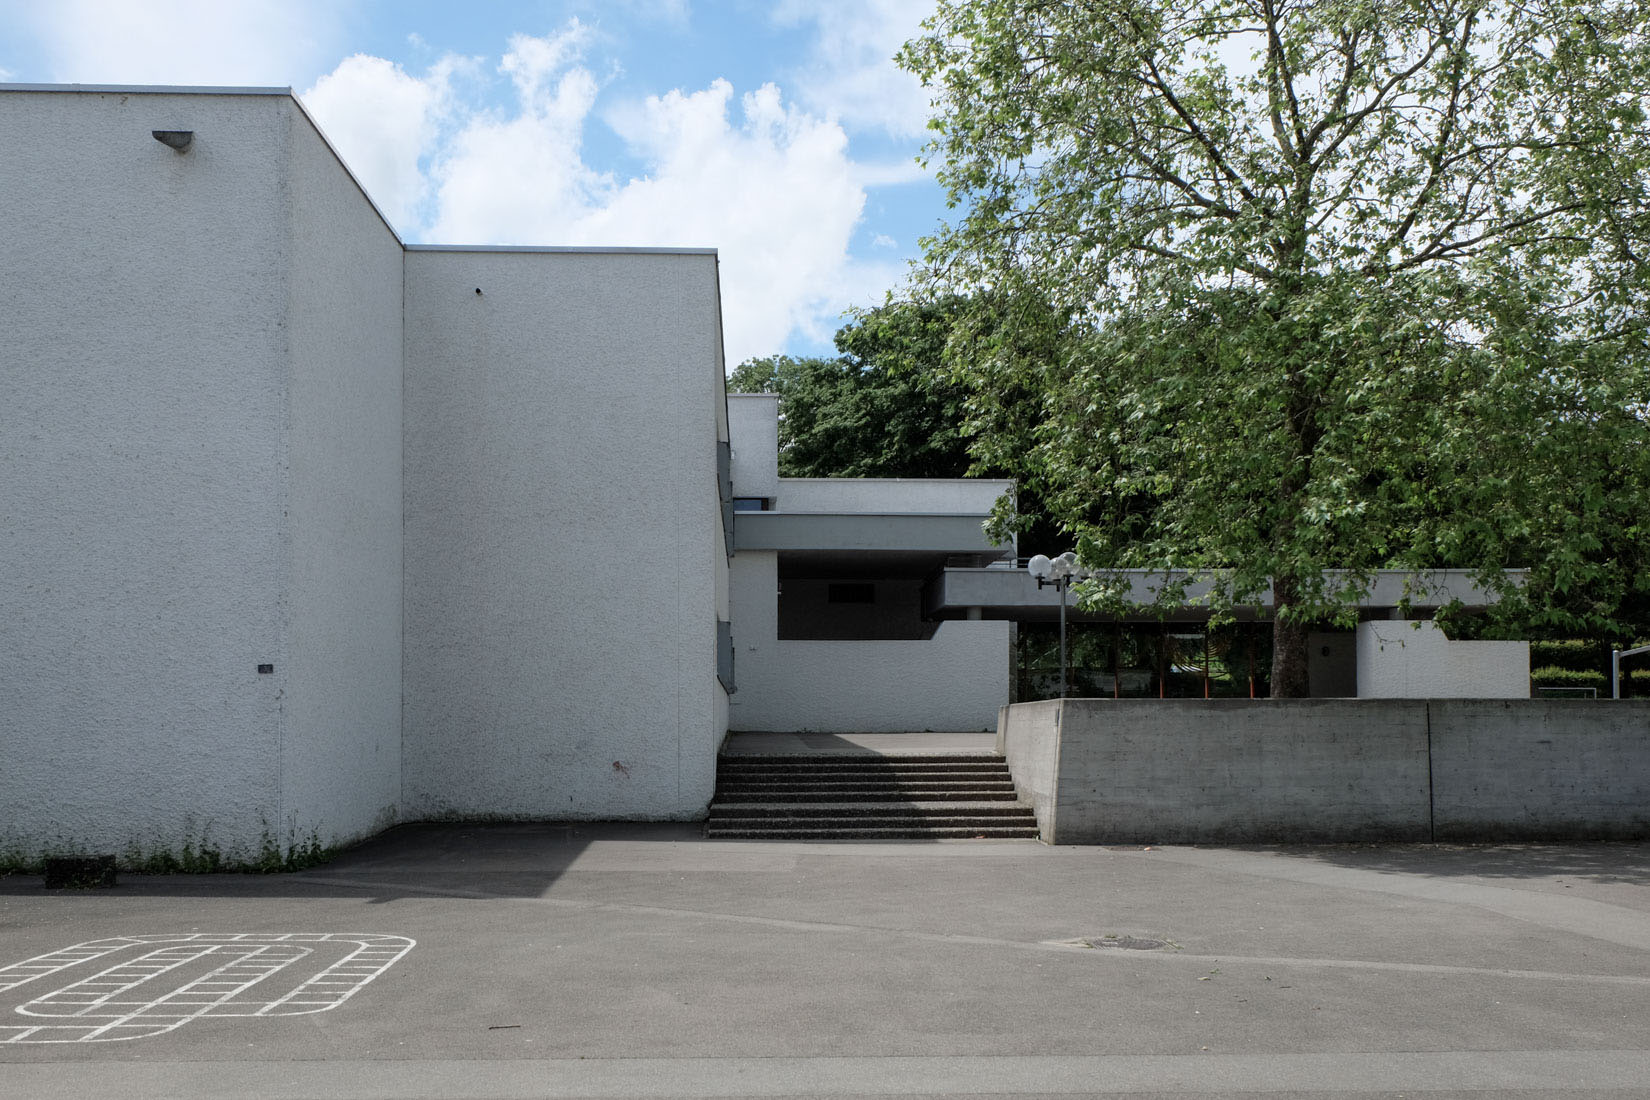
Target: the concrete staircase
(867, 797)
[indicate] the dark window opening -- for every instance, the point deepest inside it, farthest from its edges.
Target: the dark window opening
(851, 593)
(752, 504)
(821, 610)
(1144, 661)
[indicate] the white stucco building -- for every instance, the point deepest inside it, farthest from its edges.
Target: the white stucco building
(828, 590)
(306, 530)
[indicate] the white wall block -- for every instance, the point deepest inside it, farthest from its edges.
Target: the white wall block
(161, 538)
(205, 468)
(753, 422)
(1417, 660)
(955, 680)
(341, 745)
(562, 525)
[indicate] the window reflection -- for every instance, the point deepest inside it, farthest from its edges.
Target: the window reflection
(1145, 661)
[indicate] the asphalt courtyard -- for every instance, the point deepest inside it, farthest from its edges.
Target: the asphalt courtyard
(643, 960)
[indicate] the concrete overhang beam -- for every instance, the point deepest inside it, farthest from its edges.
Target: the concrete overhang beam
(943, 534)
(1013, 594)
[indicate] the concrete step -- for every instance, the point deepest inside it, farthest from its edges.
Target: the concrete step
(859, 760)
(864, 794)
(915, 810)
(867, 782)
(848, 763)
(879, 778)
(893, 822)
(839, 832)
(819, 797)
(906, 774)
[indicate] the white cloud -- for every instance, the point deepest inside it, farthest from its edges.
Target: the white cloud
(768, 185)
(273, 42)
(851, 75)
(519, 178)
(775, 193)
(383, 121)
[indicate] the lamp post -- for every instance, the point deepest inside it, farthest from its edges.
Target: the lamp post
(1059, 572)
(1615, 667)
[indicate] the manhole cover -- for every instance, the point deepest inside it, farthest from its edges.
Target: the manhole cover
(1128, 943)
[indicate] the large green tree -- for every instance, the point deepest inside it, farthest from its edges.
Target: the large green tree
(1347, 283)
(877, 410)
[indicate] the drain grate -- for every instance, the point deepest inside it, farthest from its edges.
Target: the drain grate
(1128, 943)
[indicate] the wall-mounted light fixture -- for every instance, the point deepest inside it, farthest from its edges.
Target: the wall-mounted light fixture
(175, 139)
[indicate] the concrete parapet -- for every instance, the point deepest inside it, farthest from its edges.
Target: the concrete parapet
(1325, 771)
(1028, 737)
(1540, 769)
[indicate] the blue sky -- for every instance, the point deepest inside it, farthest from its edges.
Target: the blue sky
(777, 131)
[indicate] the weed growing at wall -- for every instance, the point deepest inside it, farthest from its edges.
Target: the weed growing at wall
(197, 855)
(297, 855)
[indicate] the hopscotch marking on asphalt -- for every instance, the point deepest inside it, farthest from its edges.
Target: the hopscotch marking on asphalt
(154, 984)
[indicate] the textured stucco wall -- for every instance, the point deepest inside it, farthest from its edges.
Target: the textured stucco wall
(1417, 660)
(753, 423)
(561, 534)
(955, 680)
(143, 470)
(341, 707)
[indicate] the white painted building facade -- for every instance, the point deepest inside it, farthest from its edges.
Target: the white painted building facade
(306, 531)
(828, 595)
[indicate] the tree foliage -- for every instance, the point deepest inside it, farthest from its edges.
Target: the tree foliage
(878, 410)
(1343, 284)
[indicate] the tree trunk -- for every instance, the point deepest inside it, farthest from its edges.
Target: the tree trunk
(1289, 677)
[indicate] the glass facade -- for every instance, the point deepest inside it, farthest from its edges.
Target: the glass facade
(1145, 661)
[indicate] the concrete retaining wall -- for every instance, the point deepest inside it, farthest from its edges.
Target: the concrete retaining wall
(1325, 771)
(1540, 769)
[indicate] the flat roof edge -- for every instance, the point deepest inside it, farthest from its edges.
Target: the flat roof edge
(888, 480)
(780, 513)
(622, 250)
(145, 89)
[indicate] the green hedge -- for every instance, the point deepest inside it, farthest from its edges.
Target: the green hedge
(1571, 653)
(1553, 676)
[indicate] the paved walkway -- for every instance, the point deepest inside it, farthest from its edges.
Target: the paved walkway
(858, 744)
(645, 961)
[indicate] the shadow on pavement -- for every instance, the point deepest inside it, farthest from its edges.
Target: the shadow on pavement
(452, 859)
(1603, 862)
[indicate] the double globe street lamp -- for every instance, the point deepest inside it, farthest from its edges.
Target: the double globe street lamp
(1059, 572)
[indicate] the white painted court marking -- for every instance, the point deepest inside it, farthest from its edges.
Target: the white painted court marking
(148, 985)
